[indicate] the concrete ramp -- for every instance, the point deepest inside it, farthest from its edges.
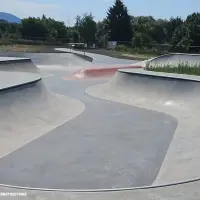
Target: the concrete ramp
(28, 109)
(175, 59)
(17, 65)
(178, 96)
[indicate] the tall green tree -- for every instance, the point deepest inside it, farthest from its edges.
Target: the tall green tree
(181, 40)
(102, 33)
(87, 28)
(193, 24)
(119, 22)
(171, 26)
(33, 28)
(158, 31)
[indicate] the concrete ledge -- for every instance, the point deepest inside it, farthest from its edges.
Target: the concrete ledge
(17, 64)
(88, 58)
(7, 60)
(11, 80)
(143, 72)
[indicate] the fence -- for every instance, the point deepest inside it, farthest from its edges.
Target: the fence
(157, 48)
(121, 45)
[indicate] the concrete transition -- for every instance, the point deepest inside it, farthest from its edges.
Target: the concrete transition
(143, 145)
(176, 95)
(17, 65)
(28, 108)
(94, 72)
(101, 66)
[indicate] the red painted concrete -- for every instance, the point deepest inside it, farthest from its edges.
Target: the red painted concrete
(99, 71)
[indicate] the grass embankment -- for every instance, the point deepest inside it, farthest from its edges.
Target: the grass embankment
(180, 68)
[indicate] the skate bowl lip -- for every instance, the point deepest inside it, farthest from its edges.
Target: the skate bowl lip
(21, 78)
(148, 61)
(165, 75)
(102, 190)
(32, 78)
(7, 60)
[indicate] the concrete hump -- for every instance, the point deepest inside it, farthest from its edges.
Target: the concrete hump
(107, 71)
(159, 88)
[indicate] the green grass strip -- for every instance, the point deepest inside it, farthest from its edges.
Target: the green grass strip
(180, 68)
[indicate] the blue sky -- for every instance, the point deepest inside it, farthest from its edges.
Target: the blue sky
(66, 10)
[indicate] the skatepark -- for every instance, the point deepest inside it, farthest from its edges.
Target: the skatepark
(106, 129)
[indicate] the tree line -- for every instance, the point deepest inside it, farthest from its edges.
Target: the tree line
(137, 32)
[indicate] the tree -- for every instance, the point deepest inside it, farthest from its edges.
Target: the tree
(158, 32)
(193, 24)
(181, 38)
(33, 28)
(55, 28)
(102, 33)
(119, 23)
(171, 26)
(142, 23)
(86, 26)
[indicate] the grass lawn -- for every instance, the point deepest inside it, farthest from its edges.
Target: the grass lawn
(180, 68)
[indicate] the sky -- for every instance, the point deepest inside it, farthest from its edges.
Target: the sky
(67, 10)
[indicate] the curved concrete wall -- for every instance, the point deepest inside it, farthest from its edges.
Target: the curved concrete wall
(176, 96)
(27, 108)
(17, 65)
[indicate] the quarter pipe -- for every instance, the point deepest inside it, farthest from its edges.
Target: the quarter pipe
(175, 95)
(28, 108)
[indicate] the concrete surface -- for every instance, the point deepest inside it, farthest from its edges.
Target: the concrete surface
(8, 59)
(189, 191)
(100, 71)
(15, 79)
(29, 111)
(176, 97)
(138, 120)
(17, 65)
(93, 152)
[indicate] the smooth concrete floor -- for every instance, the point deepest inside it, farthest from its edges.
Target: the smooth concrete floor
(110, 145)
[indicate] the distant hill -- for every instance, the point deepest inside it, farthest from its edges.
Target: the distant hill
(10, 18)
